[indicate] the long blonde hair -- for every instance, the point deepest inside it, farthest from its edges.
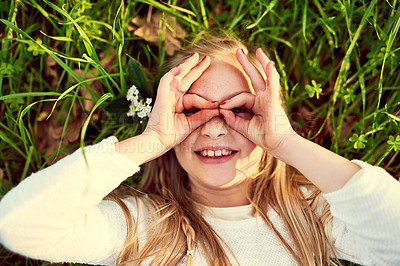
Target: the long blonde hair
(178, 226)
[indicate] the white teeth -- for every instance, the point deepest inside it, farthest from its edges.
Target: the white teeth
(217, 153)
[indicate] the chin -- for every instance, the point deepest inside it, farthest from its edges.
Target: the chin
(220, 180)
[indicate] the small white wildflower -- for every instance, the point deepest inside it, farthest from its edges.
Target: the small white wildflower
(143, 109)
(135, 101)
(132, 91)
(138, 106)
(131, 111)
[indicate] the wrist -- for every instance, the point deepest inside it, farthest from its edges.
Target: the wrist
(141, 148)
(289, 146)
(324, 168)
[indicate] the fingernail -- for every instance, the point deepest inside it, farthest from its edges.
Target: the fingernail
(193, 54)
(222, 103)
(241, 50)
(204, 59)
(273, 64)
(262, 50)
(214, 101)
(178, 65)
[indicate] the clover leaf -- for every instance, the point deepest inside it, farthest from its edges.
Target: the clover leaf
(395, 143)
(358, 140)
(315, 89)
(35, 48)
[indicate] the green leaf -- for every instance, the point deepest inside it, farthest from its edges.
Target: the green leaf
(55, 57)
(267, 10)
(118, 106)
(315, 89)
(86, 41)
(16, 96)
(358, 140)
(395, 143)
(35, 48)
(393, 117)
(6, 139)
(157, 82)
(58, 38)
(85, 125)
(137, 78)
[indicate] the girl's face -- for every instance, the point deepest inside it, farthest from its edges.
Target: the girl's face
(217, 158)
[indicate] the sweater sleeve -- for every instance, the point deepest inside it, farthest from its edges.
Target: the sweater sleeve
(58, 214)
(366, 212)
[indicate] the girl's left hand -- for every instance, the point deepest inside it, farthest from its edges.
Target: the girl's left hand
(269, 126)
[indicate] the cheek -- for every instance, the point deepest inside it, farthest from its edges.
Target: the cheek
(184, 150)
(246, 146)
(251, 154)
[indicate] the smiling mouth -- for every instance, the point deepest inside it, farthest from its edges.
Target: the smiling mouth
(215, 153)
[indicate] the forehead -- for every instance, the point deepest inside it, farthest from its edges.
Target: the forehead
(221, 81)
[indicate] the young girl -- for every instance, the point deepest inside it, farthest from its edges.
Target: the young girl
(219, 189)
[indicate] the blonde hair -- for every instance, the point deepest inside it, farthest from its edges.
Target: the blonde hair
(178, 226)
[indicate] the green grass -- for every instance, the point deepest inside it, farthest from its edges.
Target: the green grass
(338, 60)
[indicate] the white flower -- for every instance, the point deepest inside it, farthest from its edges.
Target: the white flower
(132, 91)
(144, 108)
(138, 106)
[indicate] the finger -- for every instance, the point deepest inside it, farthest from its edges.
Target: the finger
(262, 58)
(272, 75)
(273, 87)
(194, 73)
(201, 117)
(257, 80)
(191, 101)
(166, 80)
(244, 99)
(188, 64)
(235, 122)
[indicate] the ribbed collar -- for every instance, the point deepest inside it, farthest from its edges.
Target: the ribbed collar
(229, 213)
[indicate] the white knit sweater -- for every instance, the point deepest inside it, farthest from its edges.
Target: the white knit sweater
(58, 214)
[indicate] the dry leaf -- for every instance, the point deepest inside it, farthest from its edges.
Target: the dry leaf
(172, 45)
(6, 182)
(1, 175)
(310, 124)
(95, 85)
(218, 9)
(51, 70)
(49, 132)
(149, 29)
(307, 119)
(71, 133)
(347, 125)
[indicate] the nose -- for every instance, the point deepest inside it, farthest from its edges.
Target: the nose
(214, 128)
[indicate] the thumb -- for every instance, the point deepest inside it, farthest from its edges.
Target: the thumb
(235, 122)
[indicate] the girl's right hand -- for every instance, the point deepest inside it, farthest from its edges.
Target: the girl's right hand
(168, 122)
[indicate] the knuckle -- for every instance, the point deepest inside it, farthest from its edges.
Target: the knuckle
(166, 77)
